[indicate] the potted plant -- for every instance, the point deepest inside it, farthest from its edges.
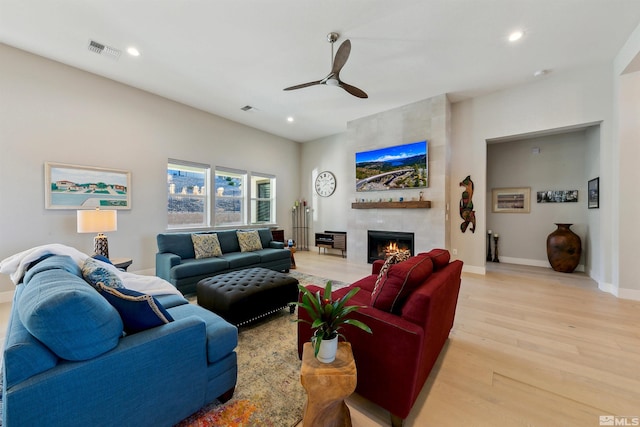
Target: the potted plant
(327, 318)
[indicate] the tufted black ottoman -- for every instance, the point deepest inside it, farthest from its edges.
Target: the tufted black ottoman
(244, 295)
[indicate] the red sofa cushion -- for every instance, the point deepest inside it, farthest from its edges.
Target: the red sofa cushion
(440, 257)
(399, 281)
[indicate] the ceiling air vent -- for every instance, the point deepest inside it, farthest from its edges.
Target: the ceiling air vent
(249, 108)
(105, 50)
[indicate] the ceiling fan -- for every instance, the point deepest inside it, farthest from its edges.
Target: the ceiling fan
(333, 78)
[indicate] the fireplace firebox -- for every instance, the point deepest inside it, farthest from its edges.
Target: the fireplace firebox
(381, 243)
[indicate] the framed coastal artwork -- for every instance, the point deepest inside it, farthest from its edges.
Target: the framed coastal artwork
(83, 187)
(511, 200)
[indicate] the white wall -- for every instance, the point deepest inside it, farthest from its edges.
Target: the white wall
(52, 112)
(571, 98)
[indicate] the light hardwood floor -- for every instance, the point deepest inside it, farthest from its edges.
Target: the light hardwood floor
(529, 347)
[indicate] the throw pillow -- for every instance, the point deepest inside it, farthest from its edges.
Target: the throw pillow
(206, 245)
(95, 272)
(398, 283)
(137, 310)
(249, 241)
(394, 258)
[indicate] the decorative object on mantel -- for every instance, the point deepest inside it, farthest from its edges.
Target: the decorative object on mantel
(496, 236)
(594, 193)
(408, 204)
(466, 206)
(327, 318)
(564, 248)
(489, 245)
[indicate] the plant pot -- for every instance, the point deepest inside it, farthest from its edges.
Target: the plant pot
(328, 350)
(563, 249)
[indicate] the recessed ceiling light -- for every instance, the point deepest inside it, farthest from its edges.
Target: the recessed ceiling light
(540, 73)
(290, 119)
(133, 51)
(516, 35)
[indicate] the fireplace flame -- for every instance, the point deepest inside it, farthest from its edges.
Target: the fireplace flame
(392, 247)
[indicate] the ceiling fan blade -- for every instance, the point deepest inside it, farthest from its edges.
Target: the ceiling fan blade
(353, 90)
(303, 85)
(341, 56)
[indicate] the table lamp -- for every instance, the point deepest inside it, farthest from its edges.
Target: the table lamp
(97, 221)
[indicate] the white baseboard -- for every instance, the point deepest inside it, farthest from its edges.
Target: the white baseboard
(474, 269)
(533, 262)
(623, 293)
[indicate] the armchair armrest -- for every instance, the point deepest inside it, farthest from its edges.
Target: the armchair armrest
(164, 262)
(377, 266)
(276, 245)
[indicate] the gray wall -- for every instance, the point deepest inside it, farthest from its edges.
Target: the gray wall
(561, 164)
(52, 112)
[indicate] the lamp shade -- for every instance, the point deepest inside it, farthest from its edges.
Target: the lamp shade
(97, 221)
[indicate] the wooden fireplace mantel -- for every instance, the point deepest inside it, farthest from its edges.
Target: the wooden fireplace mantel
(412, 204)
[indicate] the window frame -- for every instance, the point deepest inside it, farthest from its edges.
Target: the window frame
(189, 166)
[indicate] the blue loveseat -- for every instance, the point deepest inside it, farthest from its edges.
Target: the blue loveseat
(176, 260)
(82, 370)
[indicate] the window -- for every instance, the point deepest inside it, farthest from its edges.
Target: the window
(262, 199)
(230, 197)
(188, 197)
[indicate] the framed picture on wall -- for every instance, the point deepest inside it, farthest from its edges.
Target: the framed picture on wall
(594, 193)
(511, 200)
(77, 187)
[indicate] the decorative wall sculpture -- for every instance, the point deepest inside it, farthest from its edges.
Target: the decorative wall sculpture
(466, 206)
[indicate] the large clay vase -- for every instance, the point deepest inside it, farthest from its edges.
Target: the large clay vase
(563, 249)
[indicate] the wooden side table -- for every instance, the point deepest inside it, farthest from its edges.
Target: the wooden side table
(292, 249)
(327, 385)
(122, 263)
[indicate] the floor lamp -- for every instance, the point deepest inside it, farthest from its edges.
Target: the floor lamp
(97, 221)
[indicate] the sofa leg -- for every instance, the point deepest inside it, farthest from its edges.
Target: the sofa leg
(396, 421)
(224, 397)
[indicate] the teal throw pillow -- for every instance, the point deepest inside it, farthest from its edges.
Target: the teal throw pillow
(138, 311)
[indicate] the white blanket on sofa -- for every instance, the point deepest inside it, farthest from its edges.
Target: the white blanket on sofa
(15, 266)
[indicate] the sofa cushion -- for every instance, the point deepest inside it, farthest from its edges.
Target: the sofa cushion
(388, 262)
(249, 241)
(137, 310)
(68, 316)
(206, 245)
(52, 262)
(439, 257)
(242, 259)
(198, 267)
(400, 280)
(96, 272)
(24, 356)
(265, 237)
(228, 241)
(176, 243)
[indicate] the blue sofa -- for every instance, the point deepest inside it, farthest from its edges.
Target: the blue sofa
(82, 370)
(177, 264)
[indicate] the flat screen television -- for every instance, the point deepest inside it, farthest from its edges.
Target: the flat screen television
(393, 168)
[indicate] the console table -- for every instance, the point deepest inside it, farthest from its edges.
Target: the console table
(332, 240)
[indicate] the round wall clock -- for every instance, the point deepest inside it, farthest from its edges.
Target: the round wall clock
(325, 184)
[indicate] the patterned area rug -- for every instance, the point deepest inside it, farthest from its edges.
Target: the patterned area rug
(268, 392)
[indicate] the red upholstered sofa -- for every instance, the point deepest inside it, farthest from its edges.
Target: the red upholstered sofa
(417, 300)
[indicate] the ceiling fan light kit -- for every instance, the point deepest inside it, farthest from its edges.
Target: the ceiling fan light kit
(333, 78)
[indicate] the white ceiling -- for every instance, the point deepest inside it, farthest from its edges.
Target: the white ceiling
(220, 55)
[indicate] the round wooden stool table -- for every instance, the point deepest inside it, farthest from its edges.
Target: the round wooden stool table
(327, 385)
